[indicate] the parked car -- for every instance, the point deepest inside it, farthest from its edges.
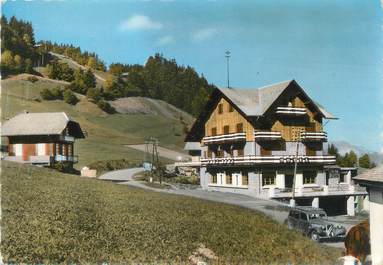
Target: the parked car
(313, 222)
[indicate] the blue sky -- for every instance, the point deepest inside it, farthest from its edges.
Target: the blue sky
(332, 48)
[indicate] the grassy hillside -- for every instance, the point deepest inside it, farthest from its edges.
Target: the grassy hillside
(106, 133)
(50, 217)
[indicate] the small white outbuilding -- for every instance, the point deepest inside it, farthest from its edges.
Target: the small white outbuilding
(373, 180)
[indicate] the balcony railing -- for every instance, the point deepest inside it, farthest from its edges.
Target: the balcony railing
(66, 138)
(316, 191)
(267, 136)
(230, 137)
(313, 136)
(291, 111)
(329, 160)
(62, 158)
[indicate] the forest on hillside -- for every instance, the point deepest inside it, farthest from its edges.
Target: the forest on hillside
(158, 78)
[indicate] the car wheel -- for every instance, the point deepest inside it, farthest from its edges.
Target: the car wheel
(314, 236)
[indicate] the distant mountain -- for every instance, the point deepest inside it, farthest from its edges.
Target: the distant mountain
(344, 147)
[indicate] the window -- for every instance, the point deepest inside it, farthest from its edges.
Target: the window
(309, 177)
(220, 108)
(342, 177)
(304, 216)
(240, 152)
(268, 178)
(220, 153)
(294, 214)
(226, 129)
(214, 131)
(245, 179)
(229, 179)
(231, 109)
(214, 178)
(239, 127)
(265, 152)
(209, 154)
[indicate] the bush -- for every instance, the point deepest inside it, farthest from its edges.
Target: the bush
(70, 97)
(65, 167)
(109, 165)
(32, 79)
(51, 94)
(105, 106)
(94, 94)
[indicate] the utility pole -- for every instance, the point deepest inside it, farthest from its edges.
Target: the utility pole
(227, 55)
(292, 201)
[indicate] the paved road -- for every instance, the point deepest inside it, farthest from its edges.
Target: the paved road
(270, 208)
(121, 175)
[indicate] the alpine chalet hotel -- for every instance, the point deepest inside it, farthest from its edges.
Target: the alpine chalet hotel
(246, 141)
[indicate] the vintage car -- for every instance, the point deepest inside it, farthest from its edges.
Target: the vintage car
(313, 222)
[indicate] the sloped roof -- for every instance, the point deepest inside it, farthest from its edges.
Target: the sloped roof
(255, 102)
(45, 123)
(372, 175)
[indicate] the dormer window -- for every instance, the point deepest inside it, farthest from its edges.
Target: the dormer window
(214, 131)
(220, 108)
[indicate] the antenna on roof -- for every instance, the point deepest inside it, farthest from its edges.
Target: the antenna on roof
(227, 55)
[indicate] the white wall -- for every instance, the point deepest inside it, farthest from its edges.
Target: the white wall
(18, 149)
(280, 180)
(40, 149)
(376, 232)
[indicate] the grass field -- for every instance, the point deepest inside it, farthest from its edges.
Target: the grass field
(106, 134)
(49, 217)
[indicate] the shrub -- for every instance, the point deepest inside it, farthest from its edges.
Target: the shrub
(70, 97)
(32, 79)
(109, 165)
(105, 106)
(94, 94)
(51, 94)
(65, 167)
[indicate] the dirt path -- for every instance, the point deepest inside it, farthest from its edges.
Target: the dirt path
(25, 77)
(76, 64)
(164, 152)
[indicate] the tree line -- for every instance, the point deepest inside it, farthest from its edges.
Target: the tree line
(158, 78)
(18, 52)
(350, 159)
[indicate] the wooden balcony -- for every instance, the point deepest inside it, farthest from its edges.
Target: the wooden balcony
(291, 111)
(313, 136)
(267, 136)
(287, 159)
(224, 138)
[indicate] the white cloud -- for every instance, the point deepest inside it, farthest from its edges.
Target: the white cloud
(204, 34)
(165, 40)
(139, 22)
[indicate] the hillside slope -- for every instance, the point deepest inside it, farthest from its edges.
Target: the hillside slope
(106, 134)
(50, 217)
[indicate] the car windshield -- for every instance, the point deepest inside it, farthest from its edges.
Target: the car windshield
(317, 215)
